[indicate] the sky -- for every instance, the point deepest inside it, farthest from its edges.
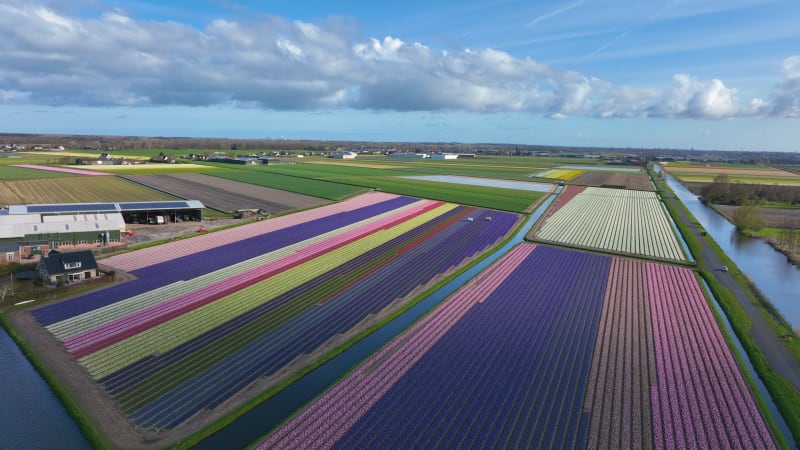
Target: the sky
(702, 74)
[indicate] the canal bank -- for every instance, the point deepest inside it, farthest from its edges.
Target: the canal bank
(31, 417)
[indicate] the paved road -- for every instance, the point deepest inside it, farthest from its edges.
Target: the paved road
(774, 350)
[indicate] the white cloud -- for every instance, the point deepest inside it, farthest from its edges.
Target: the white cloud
(695, 98)
(50, 57)
(289, 48)
(784, 99)
(791, 67)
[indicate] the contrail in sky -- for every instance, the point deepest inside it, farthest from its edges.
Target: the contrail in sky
(552, 14)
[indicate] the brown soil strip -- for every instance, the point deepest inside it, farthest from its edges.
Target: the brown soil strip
(227, 195)
(635, 181)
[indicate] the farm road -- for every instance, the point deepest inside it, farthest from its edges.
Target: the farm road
(778, 356)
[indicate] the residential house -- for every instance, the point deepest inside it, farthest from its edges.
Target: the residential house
(56, 267)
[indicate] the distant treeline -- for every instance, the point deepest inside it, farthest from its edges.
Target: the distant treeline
(112, 143)
(723, 192)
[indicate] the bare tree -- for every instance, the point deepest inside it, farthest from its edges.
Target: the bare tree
(6, 288)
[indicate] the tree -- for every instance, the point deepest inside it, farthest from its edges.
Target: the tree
(6, 287)
(718, 191)
(748, 218)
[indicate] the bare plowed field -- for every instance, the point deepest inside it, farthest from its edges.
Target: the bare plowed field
(775, 217)
(75, 189)
(227, 195)
(635, 181)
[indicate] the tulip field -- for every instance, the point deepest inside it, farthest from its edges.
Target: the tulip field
(547, 348)
(560, 174)
(207, 317)
(613, 220)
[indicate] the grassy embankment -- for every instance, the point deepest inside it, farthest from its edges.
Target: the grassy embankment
(783, 393)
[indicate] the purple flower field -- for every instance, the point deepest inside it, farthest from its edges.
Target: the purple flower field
(205, 320)
(548, 348)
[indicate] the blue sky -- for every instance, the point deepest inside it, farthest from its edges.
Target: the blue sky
(705, 74)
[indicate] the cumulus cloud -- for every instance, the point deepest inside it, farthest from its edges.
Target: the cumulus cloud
(696, 98)
(53, 57)
(785, 98)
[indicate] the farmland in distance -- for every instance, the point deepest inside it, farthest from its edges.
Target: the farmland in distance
(226, 195)
(75, 189)
(626, 180)
(705, 173)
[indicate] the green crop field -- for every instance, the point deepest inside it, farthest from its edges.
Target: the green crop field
(26, 158)
(487, 197)
(330, 172)
(8, 173)
(301, 177)
(316, 188)
(507, 167)
(75, 189)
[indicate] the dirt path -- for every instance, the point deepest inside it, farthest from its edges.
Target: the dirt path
(779, 357)
(147, 233)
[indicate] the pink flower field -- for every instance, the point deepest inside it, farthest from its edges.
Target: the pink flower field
(60, 169)
(649, 368)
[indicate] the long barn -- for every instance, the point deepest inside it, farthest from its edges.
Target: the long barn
(82, 225)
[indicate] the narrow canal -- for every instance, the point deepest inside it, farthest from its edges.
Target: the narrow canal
(31, 417)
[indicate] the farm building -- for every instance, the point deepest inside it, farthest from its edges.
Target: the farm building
(409, 155)
(344, 155)
(444, 156)
(80, 225)
(57, 267)
(19, 227)
(170, 211)
(246, 160)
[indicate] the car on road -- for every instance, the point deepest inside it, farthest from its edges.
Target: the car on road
(724, 268)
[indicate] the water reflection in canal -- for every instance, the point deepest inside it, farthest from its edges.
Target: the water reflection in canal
(31, 417)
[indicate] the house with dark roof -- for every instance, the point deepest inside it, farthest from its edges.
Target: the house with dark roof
(58, 267)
